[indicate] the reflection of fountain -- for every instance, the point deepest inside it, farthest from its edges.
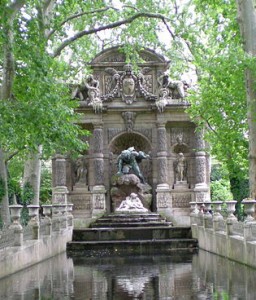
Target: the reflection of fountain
(134, 285)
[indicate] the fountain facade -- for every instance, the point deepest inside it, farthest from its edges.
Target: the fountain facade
(143, 110)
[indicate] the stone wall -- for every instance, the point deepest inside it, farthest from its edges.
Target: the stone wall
(225, 236)
(42, 238)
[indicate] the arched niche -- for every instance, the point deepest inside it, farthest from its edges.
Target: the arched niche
(140, 143)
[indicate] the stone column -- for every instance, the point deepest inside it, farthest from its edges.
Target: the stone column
(59, 195)
(98, 161)
(98, 191)
(161, 154)
(201, 188)
(163, 196)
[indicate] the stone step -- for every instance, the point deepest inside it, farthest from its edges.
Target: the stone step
(129, 247)
(127, 219)
(130, 224)
(132, 215)
(130, 220)
(130, 233)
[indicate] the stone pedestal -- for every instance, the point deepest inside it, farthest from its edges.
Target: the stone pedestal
(163, 199)
(180, 209)
(81, 198)
(181, 185)
(59, 195)
(98, 201)
(201, 194)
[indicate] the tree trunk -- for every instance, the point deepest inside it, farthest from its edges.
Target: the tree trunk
(247, 22)
(6, 88)
(5, 214)
(32, 174)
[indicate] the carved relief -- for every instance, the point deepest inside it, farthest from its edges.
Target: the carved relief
(108, 84)
(180, 139)
(116, 57)
(126, 84)
(60, 179)
(200, 197)
(129, 118)
(161, 139)
(80, 203)
(148, 83)
(99, 171)
(181, 200)
(59, 198)
(162, 200)
(199, 141)
(99, 200)
(200, 169)
(98, 140)
(162, 170)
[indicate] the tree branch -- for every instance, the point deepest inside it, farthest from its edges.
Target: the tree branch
(169, 29)
(105, 27)
(11, 156)
(51, 32)
(17, 5)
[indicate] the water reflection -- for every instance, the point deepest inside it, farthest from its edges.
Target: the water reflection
(177, 276)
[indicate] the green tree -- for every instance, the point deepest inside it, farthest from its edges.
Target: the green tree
(218, 103)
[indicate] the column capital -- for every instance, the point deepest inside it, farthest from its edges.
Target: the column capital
(160, 124)
(98, 125)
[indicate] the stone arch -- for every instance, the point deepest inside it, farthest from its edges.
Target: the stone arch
(131, 139)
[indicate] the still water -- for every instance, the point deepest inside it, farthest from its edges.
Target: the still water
(177, 276)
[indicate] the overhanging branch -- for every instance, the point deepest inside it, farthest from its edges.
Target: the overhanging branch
(105, 27)
(51, 32)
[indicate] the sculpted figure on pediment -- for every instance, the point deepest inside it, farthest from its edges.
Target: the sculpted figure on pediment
(175, 87)
(89, 91)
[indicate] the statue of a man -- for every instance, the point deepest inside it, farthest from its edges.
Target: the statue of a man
(81, 171)
(180, 167)
(129, 160)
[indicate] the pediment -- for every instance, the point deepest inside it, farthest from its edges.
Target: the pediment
(115, 55)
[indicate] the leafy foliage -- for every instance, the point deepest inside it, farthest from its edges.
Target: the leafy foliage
(220, 184)
(27, 194)
(2, 189)
(218, 103)
(46, 186)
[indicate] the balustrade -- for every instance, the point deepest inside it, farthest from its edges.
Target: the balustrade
(56, 217)
(201, 216)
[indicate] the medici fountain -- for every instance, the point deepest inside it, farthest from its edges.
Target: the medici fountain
(146, 161)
